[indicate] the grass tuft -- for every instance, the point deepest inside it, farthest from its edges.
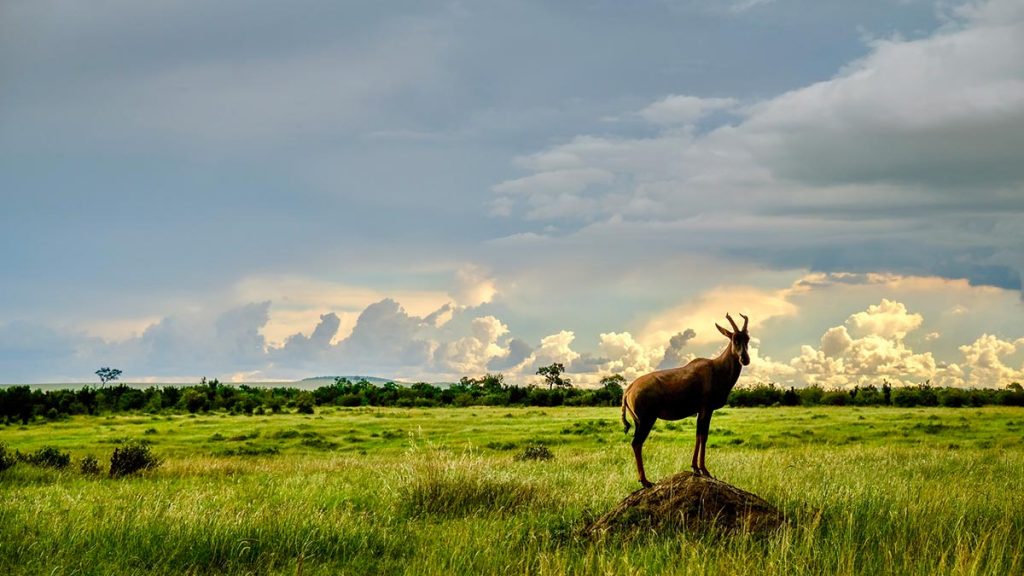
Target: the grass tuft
(459, 487)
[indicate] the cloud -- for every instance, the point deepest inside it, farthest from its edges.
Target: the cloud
(763, 368)
(300, 300)
(853, 173)
(888, 319)
(28, 349)
(556, 348)
(198, 343)
(984, 358)
(225, 97)
(473, 287)
(875, 352)
(386, 335)
(682, 110)
(674, 355)
(843, 330)
(553, 194)
(299, 348)
(625, 355)
(473, 353)
(518, 351)
(238, 332)
(711, 307)
(945, 111)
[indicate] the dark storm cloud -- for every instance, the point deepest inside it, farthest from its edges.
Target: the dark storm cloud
(518, 351)
(674, 352)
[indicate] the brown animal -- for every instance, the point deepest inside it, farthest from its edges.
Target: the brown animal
(700, 387)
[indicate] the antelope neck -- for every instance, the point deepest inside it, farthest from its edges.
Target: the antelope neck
(727, 363)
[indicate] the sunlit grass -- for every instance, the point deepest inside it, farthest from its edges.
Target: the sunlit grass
(865, 491)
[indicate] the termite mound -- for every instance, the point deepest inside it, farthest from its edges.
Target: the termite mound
(691, 503)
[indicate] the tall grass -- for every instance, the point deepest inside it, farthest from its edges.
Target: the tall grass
(433, 501)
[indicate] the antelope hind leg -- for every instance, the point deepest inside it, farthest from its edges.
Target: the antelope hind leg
(643, 428)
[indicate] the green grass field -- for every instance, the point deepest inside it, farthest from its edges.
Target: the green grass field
(440, 491)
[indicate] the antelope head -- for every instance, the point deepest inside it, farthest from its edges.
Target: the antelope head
(738, 339)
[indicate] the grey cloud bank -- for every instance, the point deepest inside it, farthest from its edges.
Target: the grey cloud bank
(560, 174)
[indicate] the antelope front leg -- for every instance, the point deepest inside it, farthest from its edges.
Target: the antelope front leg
(695, 463)
(637, 453)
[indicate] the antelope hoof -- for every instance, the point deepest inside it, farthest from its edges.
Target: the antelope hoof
(697, 471)
(645, 483)
(704, 472)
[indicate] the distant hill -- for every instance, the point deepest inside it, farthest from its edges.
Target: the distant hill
(318, 381)
(304, 384)
(328, 380)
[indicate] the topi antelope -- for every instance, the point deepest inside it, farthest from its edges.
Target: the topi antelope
(700, 387)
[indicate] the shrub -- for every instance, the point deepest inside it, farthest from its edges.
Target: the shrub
(790, 397)
(304, 402)
(954, 397)
(350, 400)
(6, 458)
(194, 401)
(868, 396)
(89, 465)
(811, 395)
(535, 452)
(132, 457)
(909, 396)
(759, 395)
(1012, 396)
(49, 457)
(835, 398)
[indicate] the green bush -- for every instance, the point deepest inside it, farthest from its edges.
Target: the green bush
(89, 465)
(835, 398)
(954, 397)
(812, 395)
(304, 403)
(6, 458)
(535, 452)
(49, 457)
(350, 400)
(132, 457)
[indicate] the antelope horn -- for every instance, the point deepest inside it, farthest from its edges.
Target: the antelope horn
(731, 321)
(745, 319)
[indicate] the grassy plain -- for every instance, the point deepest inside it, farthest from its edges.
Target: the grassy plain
(440, 491)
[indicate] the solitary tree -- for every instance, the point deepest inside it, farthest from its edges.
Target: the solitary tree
(553, 375)
(108, 375)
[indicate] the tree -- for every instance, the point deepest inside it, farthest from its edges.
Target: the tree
(610, 392)
(553, 376)
(108, 375)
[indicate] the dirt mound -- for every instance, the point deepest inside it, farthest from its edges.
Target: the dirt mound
(691, 503)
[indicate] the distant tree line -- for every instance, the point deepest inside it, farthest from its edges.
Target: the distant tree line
(23, 404)
(885, 395)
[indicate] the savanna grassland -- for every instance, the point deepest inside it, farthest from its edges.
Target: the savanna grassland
(443, 491)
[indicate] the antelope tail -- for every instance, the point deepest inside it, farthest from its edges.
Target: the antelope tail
(625, 422)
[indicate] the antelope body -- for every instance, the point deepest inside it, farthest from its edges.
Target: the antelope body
(698, 388)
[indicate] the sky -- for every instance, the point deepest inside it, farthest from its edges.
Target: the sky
(260, 190)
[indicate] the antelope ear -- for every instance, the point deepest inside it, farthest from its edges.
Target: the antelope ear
(724, 332)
